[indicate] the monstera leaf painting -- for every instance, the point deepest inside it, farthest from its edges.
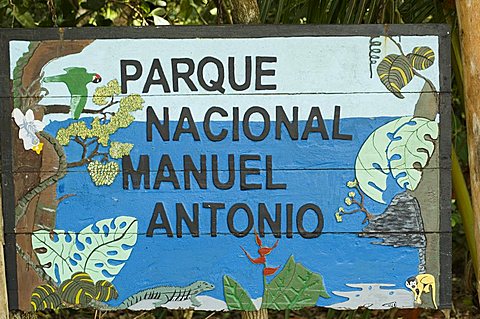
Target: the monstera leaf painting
(100, 249)
(412, 144)
(371, 165)
(395, 148)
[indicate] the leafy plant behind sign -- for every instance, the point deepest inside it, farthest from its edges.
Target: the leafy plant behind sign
(100, 249)
(395, 148)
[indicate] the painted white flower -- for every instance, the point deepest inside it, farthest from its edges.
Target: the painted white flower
(351, 194)
(28, 126)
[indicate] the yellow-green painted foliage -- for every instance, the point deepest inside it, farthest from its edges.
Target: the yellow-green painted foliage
(102, 130)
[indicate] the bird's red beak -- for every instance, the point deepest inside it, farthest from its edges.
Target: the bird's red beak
(97, 78)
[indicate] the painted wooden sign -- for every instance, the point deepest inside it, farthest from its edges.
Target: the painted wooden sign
(229, 168)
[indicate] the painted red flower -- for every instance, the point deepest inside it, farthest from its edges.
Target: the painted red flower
(262, 251)
(259, 260)
(268, 271)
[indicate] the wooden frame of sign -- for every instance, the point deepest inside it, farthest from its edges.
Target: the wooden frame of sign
(227, 168)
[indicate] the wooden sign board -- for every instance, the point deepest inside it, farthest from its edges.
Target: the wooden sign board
(227, 168)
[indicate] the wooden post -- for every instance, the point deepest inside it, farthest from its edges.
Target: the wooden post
(245, 11)
(3, 277)
(469, 20)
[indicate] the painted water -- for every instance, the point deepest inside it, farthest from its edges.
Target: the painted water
(374, 296)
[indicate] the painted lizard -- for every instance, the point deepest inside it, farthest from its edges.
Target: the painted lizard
(157, 296)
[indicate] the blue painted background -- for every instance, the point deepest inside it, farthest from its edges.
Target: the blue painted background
(315, 171)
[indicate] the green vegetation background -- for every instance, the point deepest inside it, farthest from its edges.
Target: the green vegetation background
(92, 13)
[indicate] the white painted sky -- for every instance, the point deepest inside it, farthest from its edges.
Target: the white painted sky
(326, 71)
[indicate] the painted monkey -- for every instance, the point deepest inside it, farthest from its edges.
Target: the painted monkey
(422, 283)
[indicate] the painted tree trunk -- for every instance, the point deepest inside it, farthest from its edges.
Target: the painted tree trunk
(33, 169)
(469, 20)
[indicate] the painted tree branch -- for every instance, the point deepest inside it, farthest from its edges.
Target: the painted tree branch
(87, 158)
(22, 205)
(65, 109)
(360, 204)
(26, 80)
(62, 198)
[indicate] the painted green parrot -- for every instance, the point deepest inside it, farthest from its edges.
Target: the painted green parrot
(76, 80)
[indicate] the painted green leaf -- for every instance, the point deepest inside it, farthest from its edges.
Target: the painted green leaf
(100, 249)
(412, 144)
(395, 72)
(43, 297)
(94, 5)
(78, 290)
(421, 58)
(394, 148)
(235, 296)
(294, 287)
(371, 165)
